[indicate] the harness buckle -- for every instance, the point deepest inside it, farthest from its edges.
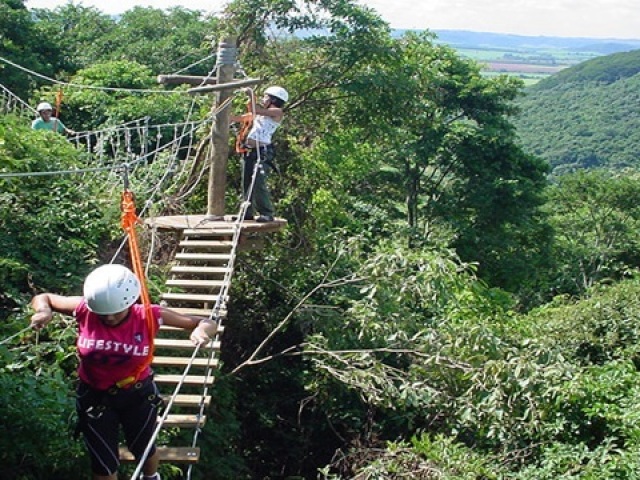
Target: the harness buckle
(95, 412)
(125, 381)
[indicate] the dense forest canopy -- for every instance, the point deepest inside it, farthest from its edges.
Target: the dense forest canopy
(440, 310)
(586, 116)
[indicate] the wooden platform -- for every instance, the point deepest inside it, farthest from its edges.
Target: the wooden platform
(224, 224)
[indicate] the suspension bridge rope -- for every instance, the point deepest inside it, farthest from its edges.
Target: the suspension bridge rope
(87, 87)
(198, 62)
(120, 166)
(17, 334)
(11, 102)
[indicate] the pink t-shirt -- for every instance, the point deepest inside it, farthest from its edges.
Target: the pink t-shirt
(110, 354)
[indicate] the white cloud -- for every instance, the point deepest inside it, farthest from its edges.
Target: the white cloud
(566, 18)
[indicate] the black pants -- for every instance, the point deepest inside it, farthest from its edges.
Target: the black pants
(260, 197)
(101, 413)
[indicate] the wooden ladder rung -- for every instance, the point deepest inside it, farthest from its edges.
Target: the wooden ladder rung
(208, 232)
(212, 284)
(185, 420)
(198, 312)
(196, 269)
(199, 380)
(165, 361)
(213, 244)
(184, 344)
(167, 454)
(169, 328)
(217, 257)
(190, 297)
(183, 400)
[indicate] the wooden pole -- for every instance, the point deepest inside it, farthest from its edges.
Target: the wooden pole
(220, 132)
(188, 79)
(249, 82)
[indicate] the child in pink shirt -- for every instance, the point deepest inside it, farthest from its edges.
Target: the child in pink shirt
(114, 347)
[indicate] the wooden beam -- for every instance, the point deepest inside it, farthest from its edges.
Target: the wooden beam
(188, 79)
(225, 86)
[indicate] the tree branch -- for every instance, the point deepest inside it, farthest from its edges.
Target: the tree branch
(324, 284)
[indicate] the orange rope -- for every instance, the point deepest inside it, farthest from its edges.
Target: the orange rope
(129, 221)
(58, 107)
(247, 121)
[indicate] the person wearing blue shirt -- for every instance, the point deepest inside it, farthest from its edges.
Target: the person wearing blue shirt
(46, 120)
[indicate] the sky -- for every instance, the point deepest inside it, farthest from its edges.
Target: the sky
(619, 19)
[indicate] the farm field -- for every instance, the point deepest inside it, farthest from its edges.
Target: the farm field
(531, 65)
(529, 58)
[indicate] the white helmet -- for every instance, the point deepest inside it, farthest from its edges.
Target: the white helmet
(44, 106)
(111, 289)
(278, 92)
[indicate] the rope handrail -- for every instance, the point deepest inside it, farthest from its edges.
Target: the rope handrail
(214, 316)
(215, 311)
(120, 166)
(197, 62)
(159, 184)
(18, 99)
(87, 87)
(114, 128)
(17, 334)
(124, 126)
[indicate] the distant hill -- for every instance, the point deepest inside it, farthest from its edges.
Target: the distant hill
(585, 116)
(467, 39)
(607, 48)
(608, 69)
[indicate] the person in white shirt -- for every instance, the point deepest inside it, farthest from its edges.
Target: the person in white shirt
(258, 146)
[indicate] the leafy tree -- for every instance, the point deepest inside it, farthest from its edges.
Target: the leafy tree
(424, 456)
(496, 212)
(37, 404)
(53, 225)
(77, 31)
(414, 132)
(595, 218)
(164, 41)
(359, 119)
(22, 43)
(524, 389)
